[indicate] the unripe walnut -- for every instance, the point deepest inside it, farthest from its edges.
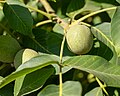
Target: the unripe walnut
(79, 39)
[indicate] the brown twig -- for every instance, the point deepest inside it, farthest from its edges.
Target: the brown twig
(47, 7)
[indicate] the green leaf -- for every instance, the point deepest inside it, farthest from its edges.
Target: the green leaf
(73, 6)
(118, 1)
(18, 2)
(18, 58)
(30, 43)
(70, 88)
(30, 66)
(1, 77)
(64, 69)
(7, 90)
(104, 35)
(115, 30)
(78, 6)
(100, 67)
(24, 55)
(58, 29)
(116, 93)
(32, 81)
(21, 57)
(19, 18)
(1, 15)
(18, 85)
(105, 27)
(53, 47)
(40, 36)
(36, 16)
(28, 54)
(111, 12)
(8, 48)
(96, 92)
(53, 0)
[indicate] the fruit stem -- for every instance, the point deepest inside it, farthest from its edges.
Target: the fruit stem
(61, 50)
(60, 83)
(94, 13)
(42, 23)
(60, 73)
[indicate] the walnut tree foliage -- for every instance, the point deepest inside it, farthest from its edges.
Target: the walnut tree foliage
(36, 59)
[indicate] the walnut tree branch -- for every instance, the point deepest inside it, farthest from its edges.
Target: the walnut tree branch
(55, 18)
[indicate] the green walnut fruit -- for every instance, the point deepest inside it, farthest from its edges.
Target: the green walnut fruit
(79, 39)
(24, 55)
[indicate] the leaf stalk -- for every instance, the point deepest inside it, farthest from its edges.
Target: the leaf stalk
(102, 86)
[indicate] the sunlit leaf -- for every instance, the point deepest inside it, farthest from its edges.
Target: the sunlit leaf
(100, 67)
(118, 1)
(30, 66)
(28, 54)
(70, 88)
(104, 35)
(24, 55)
(96, 91)
(115, 30)
(116, 93)
(1, 15)
(21, 57)
(58, 29)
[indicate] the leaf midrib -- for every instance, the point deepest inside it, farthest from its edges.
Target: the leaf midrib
(17, 16)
